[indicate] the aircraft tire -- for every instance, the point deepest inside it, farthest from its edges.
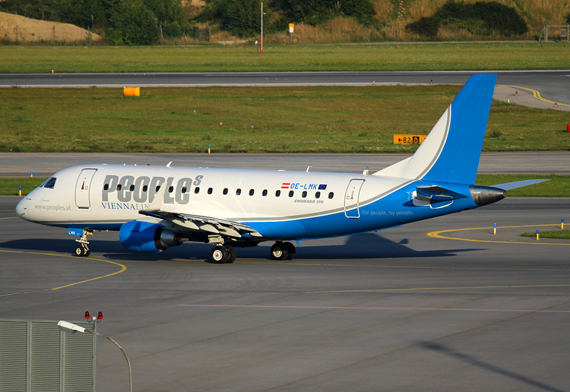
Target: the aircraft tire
(80, 251)
(219, 255)
(231, 254)
(279, 251)
(290, 249)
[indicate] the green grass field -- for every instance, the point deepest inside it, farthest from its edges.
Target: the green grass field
(253, 119)
(10, 186)
(558, 234)
(558, 186)
(215, 58)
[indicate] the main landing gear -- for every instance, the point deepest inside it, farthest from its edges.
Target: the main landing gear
(283, 251)
(223, 254)
(226, 254)
(82, 250)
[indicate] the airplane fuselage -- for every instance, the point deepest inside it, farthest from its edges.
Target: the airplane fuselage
(278, 204)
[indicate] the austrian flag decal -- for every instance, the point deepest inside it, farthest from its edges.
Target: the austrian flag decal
(285, 185)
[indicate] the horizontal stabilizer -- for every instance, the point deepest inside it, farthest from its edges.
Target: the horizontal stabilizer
(517, 184)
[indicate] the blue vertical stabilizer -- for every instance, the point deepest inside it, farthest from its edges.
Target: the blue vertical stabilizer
(451, 151)
(459, 158)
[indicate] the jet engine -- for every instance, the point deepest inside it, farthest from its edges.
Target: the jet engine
(147, 237)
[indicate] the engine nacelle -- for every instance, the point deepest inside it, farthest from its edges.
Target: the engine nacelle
(140, 236)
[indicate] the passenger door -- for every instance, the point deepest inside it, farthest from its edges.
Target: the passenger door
(82, 188)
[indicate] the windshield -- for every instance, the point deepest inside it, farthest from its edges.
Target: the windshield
(49, 183)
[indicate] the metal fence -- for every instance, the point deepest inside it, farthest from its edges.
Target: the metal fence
(36, 356)
(562, 32)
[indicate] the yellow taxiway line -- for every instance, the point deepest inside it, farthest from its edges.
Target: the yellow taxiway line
(438, 234)
(123, 269)
(536, 94)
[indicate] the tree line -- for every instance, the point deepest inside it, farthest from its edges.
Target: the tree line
(242, 17)
(131, 22)
(141, 22)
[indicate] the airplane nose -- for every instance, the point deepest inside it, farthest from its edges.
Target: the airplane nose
(22, 207)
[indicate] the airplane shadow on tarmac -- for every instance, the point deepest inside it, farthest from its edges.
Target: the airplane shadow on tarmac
(486, 366)
(363, 246)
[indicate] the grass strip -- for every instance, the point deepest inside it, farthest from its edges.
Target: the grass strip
(10, 186)
(215, 58)
(558, 234)
(327, 119)
(559, 186)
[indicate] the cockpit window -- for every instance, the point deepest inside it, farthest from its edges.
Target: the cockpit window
(49, 183)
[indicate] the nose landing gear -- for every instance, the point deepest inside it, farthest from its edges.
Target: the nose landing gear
(82, 250)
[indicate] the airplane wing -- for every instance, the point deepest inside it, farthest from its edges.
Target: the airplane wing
(204, 223)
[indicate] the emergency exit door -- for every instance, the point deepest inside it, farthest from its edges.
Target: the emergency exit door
(82, 188)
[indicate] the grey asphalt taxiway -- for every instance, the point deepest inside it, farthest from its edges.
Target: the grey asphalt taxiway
(46, 164)
(396, 310)
(552, 84)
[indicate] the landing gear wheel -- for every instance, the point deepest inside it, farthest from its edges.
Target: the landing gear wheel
(279, 251)
(82, 251)
(219, 254)
(231, 254)
(291, 249)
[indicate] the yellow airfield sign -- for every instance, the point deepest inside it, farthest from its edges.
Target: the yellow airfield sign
(409, 139)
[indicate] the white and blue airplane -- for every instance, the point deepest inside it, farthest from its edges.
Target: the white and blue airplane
(155, 208)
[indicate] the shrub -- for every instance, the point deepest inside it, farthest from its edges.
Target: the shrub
(240, 17)
(134, 23)
(166, 11)
(496, 17)
(317, 11)
(172, 29)
(427, 27)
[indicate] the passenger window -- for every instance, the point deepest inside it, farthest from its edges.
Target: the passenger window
(210, 190)
(318, 195)
(197, 190)
(132, 188)
(145, 188)
(277, 193)
(157, 188)
(251, 192)
(184, 189)
(225, 192)
(238, 191)
(50, 183)
(106, 187)
(119, 186)
(170, 189)
(264, 193)
(304, 194)
(331, 195)
(291, 193)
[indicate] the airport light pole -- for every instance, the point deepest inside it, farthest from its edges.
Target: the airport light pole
(261, 37)
(70, 327)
